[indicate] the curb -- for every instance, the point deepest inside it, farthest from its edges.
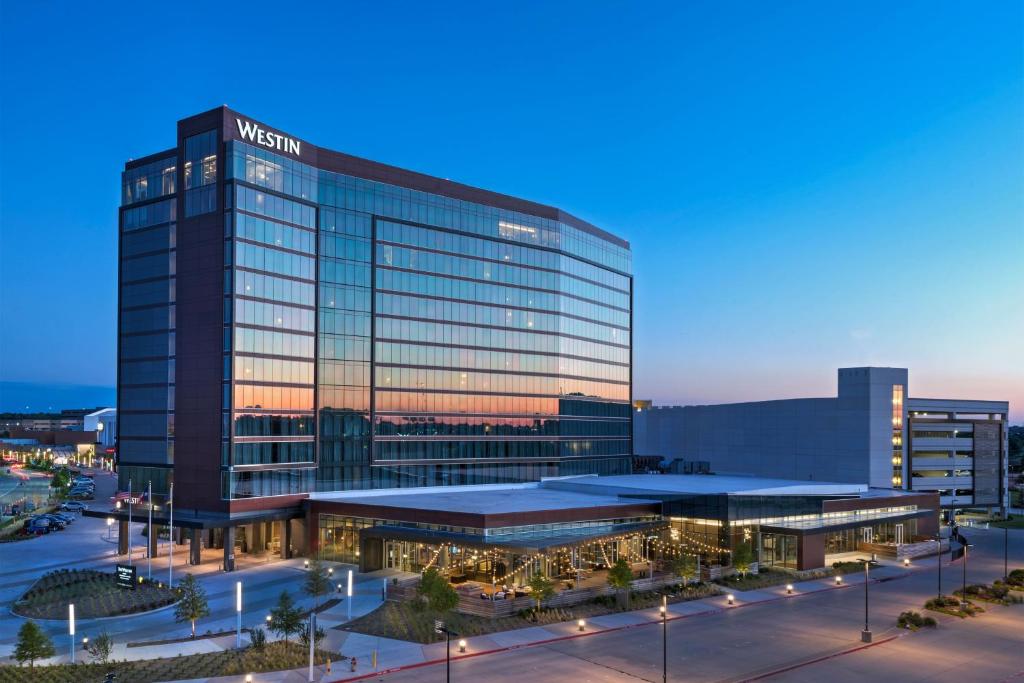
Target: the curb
(816, 660)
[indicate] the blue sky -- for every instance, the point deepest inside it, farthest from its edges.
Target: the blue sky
(805, 185)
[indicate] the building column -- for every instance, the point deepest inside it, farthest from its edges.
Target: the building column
(229, 548)
(257, 544)
(153, 541)
(195, 548)
(286, 539)
(122, 538)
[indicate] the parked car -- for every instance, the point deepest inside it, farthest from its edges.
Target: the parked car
(54, 521)
(83, 480)
(68, 519)
(38, 526)
(74, 506)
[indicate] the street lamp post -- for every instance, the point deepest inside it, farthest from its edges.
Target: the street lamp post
(71, 629)
(150, 541)
(664, 638)
(1006, 553)
(938, 557)
(312, 642)
(865, 635)
(170, 528)
(963, 591)
(130, 523)
(348, 595)
(238, 612)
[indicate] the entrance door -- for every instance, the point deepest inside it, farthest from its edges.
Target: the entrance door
(899, 534)
(393, 555)
(867, 534)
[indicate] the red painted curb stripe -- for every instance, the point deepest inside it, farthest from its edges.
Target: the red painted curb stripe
(819, 659)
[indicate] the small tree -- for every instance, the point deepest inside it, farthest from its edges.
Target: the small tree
(100, 647)
(742, 558)
(541, 588)
(316, 582)
(620, 576)
(439, 594)
(286, 617)
(683, 566)
(192, 606)
(32, 644)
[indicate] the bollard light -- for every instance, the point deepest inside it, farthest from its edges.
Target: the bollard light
(248, 678)
(330, 571)
(731, 598)
(581, 623)
(789, 588)
(85, 641)
(462, 646)
(839, 581)
(906, 561)
(661, 610)
(339, 587)
(268, 620)
(305, 564)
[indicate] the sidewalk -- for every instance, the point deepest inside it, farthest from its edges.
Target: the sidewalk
(394, 655)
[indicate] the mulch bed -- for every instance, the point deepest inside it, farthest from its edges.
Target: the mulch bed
(95, 594)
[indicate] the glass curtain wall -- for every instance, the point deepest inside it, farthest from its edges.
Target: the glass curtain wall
(498, 343)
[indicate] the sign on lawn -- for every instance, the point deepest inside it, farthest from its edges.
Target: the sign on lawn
(125, 576)
(438, 626)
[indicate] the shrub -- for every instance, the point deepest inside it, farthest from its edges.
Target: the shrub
(257, 638)
(914, 620)
(942, 602)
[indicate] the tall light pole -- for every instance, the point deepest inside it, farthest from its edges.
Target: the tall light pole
(170, 549)
(150, 541)
(1006, 552)
(348, 594)
(865, 635)
(664, 638)
(130, 562)
(71, 629)
(312, 642)
(238, 615)
(963, 591)
(938, 557)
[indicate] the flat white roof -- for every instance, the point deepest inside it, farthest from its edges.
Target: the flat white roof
(706, 484)
(481, 499)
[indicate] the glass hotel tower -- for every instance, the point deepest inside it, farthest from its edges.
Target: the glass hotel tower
(293, 319)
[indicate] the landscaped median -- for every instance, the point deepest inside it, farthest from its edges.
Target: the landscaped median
(271, 657)
(413, 620)
(95, 594)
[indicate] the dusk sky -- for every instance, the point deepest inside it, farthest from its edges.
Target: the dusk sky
(805, 185)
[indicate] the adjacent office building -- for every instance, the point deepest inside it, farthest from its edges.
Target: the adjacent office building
(296, 320)
(871, 432)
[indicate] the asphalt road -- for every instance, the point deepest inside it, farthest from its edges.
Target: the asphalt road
(777, 640)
